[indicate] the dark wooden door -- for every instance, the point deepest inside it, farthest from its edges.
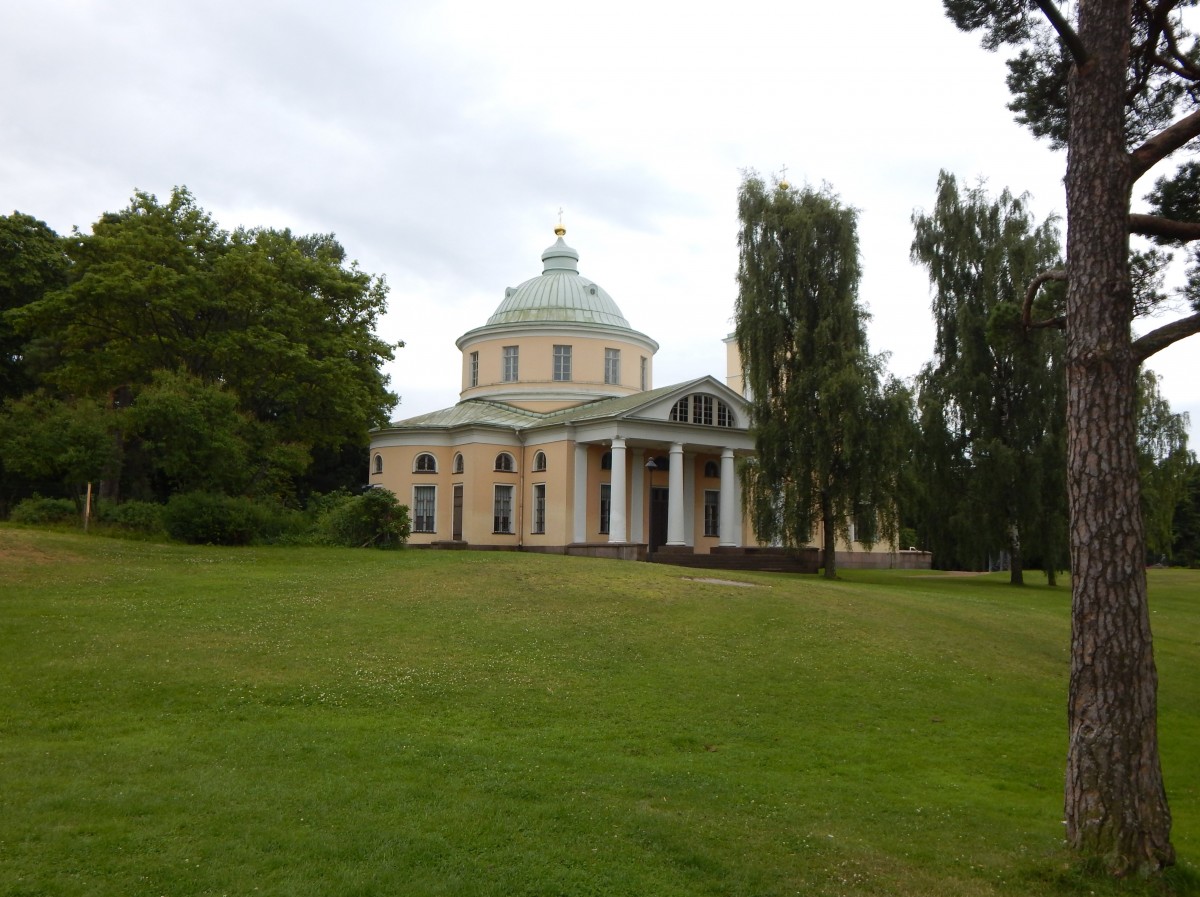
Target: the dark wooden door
(659, 505)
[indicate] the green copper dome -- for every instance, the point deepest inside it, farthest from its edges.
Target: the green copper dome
(559, 294)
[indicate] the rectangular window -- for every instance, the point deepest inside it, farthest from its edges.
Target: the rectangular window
(702, 410)
(502, 507)
(508, 371)
(645, 373)
(474, 372)
(424, 503)
(562, 362)
(539, 508)
(612, 365)
(605, 505)
(712, 512)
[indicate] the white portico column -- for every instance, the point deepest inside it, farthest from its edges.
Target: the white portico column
(675, 503)
(616, 507)
(579, 518)
(730, 531)
(636, 493)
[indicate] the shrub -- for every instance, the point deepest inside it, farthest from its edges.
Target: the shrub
(206, 518)
(135, 516)
(40, 511)
(374, 518)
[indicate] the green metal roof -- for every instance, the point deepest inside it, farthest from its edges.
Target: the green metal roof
(559, 294)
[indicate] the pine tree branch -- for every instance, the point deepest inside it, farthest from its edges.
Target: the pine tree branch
(1167, 228)
(1164, 143)
(1065, 32)
(1031, 293)
(1157, 340)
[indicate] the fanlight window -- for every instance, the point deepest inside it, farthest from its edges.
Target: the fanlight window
(504, 461)
(425, 463)
(458, 463)
(703, 409)
(711, 470)
(539, 461)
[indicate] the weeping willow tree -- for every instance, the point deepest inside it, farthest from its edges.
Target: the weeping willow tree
(830, 436)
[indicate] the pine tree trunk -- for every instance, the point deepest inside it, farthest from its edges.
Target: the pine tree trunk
(1116, 807)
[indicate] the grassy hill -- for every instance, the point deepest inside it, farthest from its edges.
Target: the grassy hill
(186, 721)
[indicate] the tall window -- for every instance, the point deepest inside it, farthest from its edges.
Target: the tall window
(612, 365)
(424, 503)
(425, 463)
(712, 512)
(458, 463)
(502, 506)
(504, 461)
(724, 415)
(539, 508)
(473, 373)
(645, 373)
(605, 505)
(702, 409)
(508, 370)
(562, 362)
(539, 461)
(379, 464)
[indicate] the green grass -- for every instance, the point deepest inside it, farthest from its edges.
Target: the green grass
(185, 721)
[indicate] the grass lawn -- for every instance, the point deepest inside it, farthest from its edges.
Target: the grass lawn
(184, 721)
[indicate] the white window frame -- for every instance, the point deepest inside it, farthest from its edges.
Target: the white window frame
(510, 364)
(562, 364)
(538, 523)
(417, 468)
(499, 504)
(473, 369)
(605, 507)
(612, 366)
(417, 517)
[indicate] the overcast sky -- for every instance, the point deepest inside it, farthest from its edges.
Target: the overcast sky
(439, 140)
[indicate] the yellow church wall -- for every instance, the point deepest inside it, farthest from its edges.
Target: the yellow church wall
(535, 365)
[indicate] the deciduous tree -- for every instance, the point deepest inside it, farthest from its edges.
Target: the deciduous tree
(826, 429)
(991, 394)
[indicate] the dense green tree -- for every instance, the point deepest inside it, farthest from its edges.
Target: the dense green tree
(826, 429)
(1117, 87)
(991, 393)
(271, 333)
(48, 440)
(1186, 525)
(32, 261)
(1166, 462)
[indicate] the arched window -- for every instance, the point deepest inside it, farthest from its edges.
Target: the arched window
(378, 468)
(458, 462)
(539, 461)
(703, 409)
(425, 463)
(712, 470)
(725, 416)
(606, 461)
(504, 461)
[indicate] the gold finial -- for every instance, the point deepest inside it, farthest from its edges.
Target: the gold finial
(560, 230)
(783, 182)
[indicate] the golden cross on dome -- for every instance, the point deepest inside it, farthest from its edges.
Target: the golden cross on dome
(560, 230)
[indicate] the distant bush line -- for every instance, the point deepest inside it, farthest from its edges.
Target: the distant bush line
(374, 518)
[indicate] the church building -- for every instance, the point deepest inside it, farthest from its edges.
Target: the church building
(561, 442)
